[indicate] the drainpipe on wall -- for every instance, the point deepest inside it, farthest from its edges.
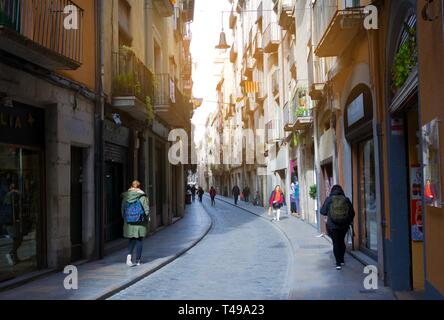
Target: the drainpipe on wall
(98, 132)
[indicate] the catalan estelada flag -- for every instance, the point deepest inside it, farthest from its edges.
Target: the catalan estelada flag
(251, 87)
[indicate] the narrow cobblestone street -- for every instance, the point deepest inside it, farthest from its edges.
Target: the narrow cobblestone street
(245, 256)
(242, 257)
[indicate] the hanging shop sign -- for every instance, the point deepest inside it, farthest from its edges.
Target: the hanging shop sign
(116, 134)
(355, 110)
(416, 213)
(358, 116)
(22, 125)
(432, 164)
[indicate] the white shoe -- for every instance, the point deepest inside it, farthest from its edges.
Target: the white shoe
(338, 268)
(139, 263)
(129, 263)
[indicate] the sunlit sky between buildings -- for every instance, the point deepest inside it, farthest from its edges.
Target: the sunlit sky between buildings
(206, 29)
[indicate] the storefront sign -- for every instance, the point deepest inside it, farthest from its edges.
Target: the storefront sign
(116, 134)
(355, 110)
(21, 125)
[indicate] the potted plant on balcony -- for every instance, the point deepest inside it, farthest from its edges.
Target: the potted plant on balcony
(313, 192)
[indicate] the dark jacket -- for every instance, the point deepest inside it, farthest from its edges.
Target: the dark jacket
(325, 210)
(236, 191)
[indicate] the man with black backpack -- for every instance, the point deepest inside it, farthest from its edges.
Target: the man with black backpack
(340, 215)
(136, 213)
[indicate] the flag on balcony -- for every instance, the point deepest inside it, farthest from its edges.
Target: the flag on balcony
(251, 87)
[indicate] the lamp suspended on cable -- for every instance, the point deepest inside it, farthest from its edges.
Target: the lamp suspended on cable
(223, 45)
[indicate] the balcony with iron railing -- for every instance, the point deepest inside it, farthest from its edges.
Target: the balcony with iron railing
(132, 84)
(336, 23)
(171, 105)
(317, 77)
(273, 131)
(298, 115)
(35, 31)
(285, 9)
(258, 48)
(187, 69)
(271, 38)
(188, 10)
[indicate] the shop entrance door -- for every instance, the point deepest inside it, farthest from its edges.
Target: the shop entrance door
(160, 186)
(415, 199)
(368, 227)
(76, 220)
(327, 184)
(113, 189)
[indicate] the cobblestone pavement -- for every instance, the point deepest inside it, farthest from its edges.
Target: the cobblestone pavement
(243, 257)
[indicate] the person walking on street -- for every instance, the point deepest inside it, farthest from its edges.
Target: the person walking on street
(200, 193)
(193, 192)
(236, 193)
(277, 201)
(247, 194)
(136, 215)
(213, 194)
(293, 199)
(340, 215)
(297, 199)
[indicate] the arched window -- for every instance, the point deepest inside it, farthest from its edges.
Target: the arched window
(406, 57)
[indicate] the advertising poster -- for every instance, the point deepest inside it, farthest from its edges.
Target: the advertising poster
(416, 203)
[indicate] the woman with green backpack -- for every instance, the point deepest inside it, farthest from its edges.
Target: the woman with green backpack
(340, 215)
(136, 215)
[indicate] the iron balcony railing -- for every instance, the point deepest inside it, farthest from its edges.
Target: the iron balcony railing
(131, 77)
(324, 12)
(42, 22)
(271, 38)
(164, 93)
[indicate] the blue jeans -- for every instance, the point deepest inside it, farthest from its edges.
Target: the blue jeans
(138, 244)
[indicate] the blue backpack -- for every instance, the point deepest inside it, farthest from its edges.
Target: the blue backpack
(134, 212)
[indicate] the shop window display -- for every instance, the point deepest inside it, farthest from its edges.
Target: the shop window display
(20, 209)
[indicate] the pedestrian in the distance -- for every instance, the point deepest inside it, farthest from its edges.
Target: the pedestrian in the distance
(247, 194)
(200, 193)
(213, 194)
(340, 215)
(277, 201)
(293, 199)
(193, 192)
(136, 214)
(297, 198)
(236, 192)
